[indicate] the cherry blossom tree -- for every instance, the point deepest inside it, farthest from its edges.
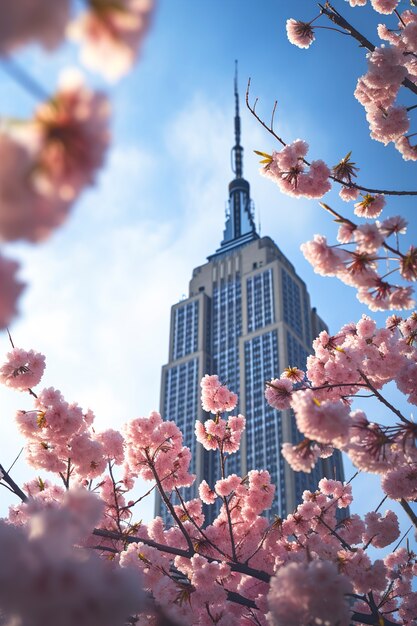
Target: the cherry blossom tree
(74, 549)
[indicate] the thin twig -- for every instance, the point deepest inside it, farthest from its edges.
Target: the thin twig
(26, 81)
(407, 508)
(269, 129)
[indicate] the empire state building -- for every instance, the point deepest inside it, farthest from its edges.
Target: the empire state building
(247, 317)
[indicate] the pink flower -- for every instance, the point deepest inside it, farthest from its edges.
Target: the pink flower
(225, 486)
(293, 374)
(74, 136)
(386, 7)
(408, 152)
(326, 260)
(389, 124)
(215, 397)
(349, 193)
(381, 531)
(408, 264)
(288, 170)
(345, 232)
(112, 34)
(325, 422)
(10, 289)
(24, 212)
(278, 393)
(401, 483)
(391, 225)
(370, 206)
(366, 327)
(207, 495)
(301, 457)
(22, 369)
(368, 237)
(28, 21)
(300, 34)
(305, 593)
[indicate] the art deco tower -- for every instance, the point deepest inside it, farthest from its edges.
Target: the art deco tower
(246, 318)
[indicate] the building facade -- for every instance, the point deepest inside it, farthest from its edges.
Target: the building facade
(247, 317)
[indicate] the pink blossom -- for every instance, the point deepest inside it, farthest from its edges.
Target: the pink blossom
(45, 580)
(225, 486)
(381, 531)
(401, 298)
(366, 327)
(22, 369)
(113, 445)
(28, 21)
(325, 422)
(74, 136)
(301, 457)
(278, 393)
(385, 69)
(348, 193)
(345, 232)
(216, 397)
(326, 260)
(401, 483)
(408, 264)
(386, 7)
(294, 601)
(370, 206)
(391, 225)
(409, 33)
(10, 289)
(300, 34)
(112, 35)
(207, 495)
(24, 212)
(368, 237)
(408, 152)
(289, 171)
(294, 374)
(388, 125)
(357, 3)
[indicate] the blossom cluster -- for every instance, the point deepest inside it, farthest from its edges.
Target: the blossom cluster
(51, 159)
(362, 266)
(360, 357)
(110, 32)
(48, 160)
(288, 168)
(46, 577)
(312, 566)
(388, 68)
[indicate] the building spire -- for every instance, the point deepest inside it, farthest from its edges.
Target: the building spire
(237, 150)
(240, 227)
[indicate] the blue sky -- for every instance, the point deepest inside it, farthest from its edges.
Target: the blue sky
(100, 290)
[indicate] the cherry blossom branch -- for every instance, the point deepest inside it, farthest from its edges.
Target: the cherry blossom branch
(269, 129)
(329, 11)
(409, 511)
(198, 528)
(130, 506)
(20, 76)
(116, 504)
(14, 487)
(346, 220)
(226, 505)
(168, 504)
(236, 567)
(381, 398)
(333, 532)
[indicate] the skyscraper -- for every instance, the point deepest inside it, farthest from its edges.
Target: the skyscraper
(246, 318)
